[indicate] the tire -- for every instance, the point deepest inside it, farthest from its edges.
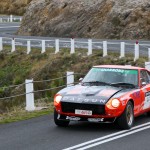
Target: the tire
(60, 123)
(148, 114)
(126, 120)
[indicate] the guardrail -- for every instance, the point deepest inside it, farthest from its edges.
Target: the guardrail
(10, 18)
(73, 44)
(29, 89)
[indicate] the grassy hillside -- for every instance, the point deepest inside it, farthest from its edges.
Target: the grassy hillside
(100, 19)
(18, 66)
(17, 7)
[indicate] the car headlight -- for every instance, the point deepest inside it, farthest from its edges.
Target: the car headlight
(58, 98)
(115, 103)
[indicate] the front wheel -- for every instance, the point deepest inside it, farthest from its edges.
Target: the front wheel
(125, 121)
(148, 113)
(58, 122)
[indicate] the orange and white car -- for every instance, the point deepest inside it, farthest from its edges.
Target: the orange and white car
(108, 93)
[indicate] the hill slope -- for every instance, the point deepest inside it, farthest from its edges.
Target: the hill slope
(18, 66)
(126, 19)
(17, 7)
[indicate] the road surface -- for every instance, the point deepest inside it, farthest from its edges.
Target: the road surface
(42, 134)
(9, 30)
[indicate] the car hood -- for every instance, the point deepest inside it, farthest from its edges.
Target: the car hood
(91, 94)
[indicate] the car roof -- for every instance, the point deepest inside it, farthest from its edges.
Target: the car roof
(119, 67)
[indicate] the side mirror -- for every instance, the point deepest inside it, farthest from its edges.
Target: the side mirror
(80, 79)
(143, 83)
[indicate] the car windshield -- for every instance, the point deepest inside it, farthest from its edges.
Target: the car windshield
(112, 76)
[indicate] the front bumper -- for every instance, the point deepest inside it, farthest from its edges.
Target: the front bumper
(71, 107)
(86, 118)
(98, 113)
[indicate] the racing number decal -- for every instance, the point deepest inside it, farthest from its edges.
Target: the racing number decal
(147, 100)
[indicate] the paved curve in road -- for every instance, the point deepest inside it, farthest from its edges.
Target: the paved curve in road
(9, 30)
(42, 134)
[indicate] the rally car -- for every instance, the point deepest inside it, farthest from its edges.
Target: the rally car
(108, 93)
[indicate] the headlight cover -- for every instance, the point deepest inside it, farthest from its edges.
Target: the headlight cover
(115, 103)
(58, 98)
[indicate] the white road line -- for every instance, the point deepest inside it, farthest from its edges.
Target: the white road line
(107, 136)
(9, 27)
(114, 138)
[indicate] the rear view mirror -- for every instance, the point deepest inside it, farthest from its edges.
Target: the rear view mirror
(80, 79)
(143, 83)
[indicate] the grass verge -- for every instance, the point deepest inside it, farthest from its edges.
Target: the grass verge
(17, 66)
(22, 115)
(18, 113)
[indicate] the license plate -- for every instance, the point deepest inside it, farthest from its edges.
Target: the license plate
(83, 112)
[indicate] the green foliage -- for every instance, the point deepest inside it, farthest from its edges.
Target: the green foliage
(116, 21)
(4, 91)
(38, 56)
(2, 56)
(22, 115)
(18, 66)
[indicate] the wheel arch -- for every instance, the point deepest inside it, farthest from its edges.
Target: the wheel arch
(122, 120)
(132, 101)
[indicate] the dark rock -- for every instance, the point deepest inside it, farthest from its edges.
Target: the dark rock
(88, 19)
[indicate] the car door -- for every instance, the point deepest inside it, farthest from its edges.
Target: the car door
(145, 90)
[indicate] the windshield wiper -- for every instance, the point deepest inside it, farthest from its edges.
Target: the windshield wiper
(95, 82)
(123, 84)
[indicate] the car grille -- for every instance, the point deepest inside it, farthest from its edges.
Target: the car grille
(70, 108)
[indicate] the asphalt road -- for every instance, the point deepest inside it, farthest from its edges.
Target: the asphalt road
(9, 30)
(42, 134)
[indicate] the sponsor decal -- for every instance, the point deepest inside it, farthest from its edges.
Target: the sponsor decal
(95, 119)
(107, 92)
(123, 103)
(83, 99)
(90, 90)
(144, 90)
(125, 71)
(136, 94)
(147, 100)
(73, 118)
(75, 90)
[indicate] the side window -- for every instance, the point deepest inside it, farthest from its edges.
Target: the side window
(148, 73)
(144, 76)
